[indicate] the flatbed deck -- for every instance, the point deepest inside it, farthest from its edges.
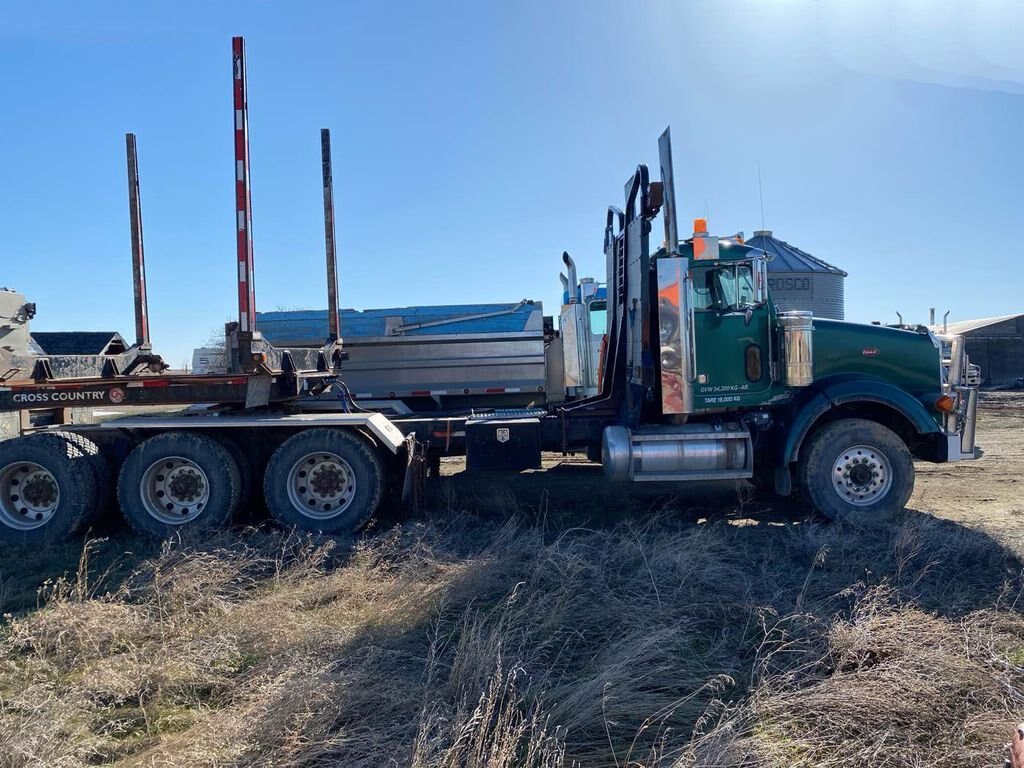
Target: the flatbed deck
(157, 389)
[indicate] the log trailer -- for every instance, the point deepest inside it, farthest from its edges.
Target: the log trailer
(699, 377)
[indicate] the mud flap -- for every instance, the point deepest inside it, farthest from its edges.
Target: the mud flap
(783, 478)
(413, 486)
(257, 391)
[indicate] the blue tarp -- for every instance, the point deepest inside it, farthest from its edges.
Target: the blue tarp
(309, 327)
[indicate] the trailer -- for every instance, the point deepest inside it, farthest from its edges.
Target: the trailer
(696, 376)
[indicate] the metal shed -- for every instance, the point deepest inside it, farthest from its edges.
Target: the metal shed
(994, 343)
(798, 280)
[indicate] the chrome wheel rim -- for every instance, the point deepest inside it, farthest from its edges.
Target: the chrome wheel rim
(321, 485)
(29, 495)
(861, 475)
(174, 490)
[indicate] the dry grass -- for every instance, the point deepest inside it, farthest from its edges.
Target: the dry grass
(468, 642)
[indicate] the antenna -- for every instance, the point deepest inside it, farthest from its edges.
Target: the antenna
(760, 192)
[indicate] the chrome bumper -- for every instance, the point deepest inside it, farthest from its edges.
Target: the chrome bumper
(960, 426)
(962, 422)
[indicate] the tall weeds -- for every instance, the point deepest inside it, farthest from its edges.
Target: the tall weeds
(492, 644)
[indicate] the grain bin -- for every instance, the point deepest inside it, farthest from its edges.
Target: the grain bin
(799, 281)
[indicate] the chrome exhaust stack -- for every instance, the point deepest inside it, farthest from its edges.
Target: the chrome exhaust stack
(675, 309)
(570, 267)
(579, 370)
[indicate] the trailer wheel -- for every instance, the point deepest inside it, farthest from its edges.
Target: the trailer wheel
(178, 479)
(47, 489)
(326, 480)
(857, 470)
(101, 470)
(246, 472)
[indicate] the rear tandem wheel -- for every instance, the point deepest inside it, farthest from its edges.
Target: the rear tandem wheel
(102, 470)
(325, 480)
(48, 489)
(176, 480)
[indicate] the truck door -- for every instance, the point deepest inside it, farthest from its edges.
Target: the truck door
(732, 326)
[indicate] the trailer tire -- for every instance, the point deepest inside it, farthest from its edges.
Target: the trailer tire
(857, 471)
(63, 489)
(324, 480)
(246, 473)
(102, 472)
(178, 480)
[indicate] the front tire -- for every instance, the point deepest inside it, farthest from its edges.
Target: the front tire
(857, 470)
(178, 480)
(324, 480)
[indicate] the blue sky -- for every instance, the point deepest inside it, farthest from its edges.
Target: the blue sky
(474, 141)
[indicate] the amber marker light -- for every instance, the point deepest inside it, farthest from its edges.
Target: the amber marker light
(945, 403)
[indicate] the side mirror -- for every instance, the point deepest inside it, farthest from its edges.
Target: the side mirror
(761, 280)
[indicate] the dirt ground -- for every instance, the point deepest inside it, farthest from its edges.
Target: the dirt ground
(986, 492)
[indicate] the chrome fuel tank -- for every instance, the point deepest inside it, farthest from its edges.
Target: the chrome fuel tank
(685, 452)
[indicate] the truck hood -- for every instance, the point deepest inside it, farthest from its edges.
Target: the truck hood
(907, 359)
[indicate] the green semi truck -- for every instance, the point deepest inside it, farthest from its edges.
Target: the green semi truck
(719, 384)
(696, 377)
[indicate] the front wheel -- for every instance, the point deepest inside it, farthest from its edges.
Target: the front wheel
(857, 470)
(325, 480)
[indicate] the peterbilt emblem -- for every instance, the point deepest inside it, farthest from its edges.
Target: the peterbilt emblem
(502, 434)
(117, 395)
(869, 351)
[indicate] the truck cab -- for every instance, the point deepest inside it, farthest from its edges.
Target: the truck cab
(732, 325)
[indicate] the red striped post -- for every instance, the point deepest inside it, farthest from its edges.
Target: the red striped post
(243, 197)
